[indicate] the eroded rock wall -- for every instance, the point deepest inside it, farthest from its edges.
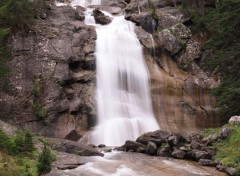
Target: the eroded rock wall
(179, 86)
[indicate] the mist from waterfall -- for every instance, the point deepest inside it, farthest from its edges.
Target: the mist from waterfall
(123, 98)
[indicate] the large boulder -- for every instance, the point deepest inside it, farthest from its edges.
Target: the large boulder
(151, 148)
(132, 146)
(164, 151)
(146, 20)
(234, 120)
(169, 42)
(100, 18)
(178, 153)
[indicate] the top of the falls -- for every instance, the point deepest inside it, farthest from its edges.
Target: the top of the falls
(85, 3)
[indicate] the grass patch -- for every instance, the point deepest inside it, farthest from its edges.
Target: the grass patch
(210, 131)
(228, 150)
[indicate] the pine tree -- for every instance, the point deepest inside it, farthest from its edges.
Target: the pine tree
(28, 142)
(44, 161)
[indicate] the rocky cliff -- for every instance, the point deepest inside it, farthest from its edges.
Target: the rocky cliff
(54, 78)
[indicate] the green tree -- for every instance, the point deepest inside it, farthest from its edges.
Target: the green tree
(19, 141)
(28, 142)
(44, 161)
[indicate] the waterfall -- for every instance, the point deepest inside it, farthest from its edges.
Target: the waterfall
(123, 97)
(85, 3)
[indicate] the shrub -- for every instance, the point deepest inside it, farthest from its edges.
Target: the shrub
(40, 112)
(7, 143)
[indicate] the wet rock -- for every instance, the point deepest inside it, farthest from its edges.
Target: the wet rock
(100, 18)
(211, 151)
(115, 10)
(121, 148)
(92, 145)
(220, 168)
(164, 151)
(175, 139)
(101, 145)
(141, 150)
(230, 170)
(160, 134)
(156, 137)
(79, 14)
(184, 148)
(207, 162)
(146, 20)
(202, 155)
(151, 148)
(234, 120)
(196, 145)
(67, 161)
(131, 145)
(105, 149)
(146, 139)
(196, 155)
(178, 153)
(225, 132)
(68, 167)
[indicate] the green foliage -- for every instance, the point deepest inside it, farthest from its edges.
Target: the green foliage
(223, 24)
(17, 14)
(37, 89)
(40, 112)
(7, 143)
(21, 143)
(17, 165)
(20, 156)
(24, 141)
(45, 160)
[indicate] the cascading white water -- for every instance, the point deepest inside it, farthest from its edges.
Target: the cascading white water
(123, 97)
(85, 3)
(124, 104)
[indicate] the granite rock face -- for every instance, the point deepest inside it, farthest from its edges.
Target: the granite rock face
(55, 68)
